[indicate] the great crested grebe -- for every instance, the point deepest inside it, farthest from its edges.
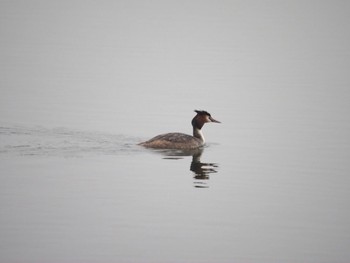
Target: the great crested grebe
(177, 140)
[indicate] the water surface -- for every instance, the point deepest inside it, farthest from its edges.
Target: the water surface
(82, 84)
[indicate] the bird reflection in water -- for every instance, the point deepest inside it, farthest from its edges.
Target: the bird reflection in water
(201, 171)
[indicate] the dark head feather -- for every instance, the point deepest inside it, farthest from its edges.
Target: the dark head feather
(202, 112)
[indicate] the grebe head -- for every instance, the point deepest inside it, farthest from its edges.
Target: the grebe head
(201, 118)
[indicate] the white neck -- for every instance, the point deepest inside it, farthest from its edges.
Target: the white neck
(198, 134)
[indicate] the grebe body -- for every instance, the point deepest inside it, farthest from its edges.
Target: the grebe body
(176, 140)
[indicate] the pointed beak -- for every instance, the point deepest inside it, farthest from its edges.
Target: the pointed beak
(213, 120)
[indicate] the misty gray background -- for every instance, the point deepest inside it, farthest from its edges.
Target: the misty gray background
(111, 64)
(82, 82)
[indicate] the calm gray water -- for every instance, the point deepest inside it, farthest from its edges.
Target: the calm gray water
(82, 83)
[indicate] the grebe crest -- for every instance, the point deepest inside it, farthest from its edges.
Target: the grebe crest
(177, 140)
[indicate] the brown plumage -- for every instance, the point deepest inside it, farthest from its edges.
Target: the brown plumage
(177, 140)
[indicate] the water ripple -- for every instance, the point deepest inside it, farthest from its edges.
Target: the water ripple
(39, 141)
